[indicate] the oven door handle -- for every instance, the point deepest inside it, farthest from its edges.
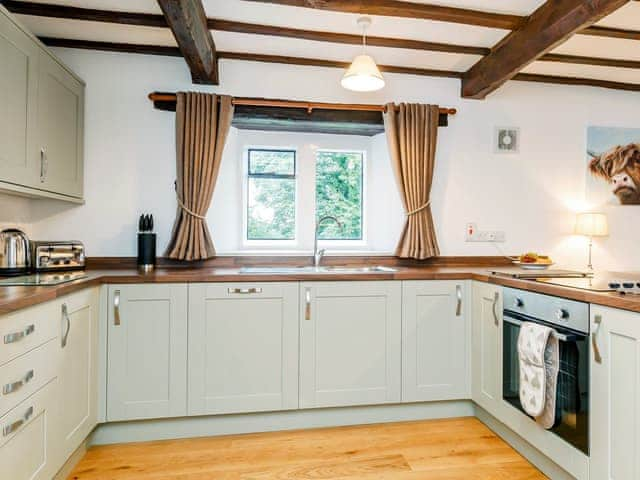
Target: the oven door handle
(560, 336)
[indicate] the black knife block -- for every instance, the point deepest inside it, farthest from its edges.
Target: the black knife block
(146, 251)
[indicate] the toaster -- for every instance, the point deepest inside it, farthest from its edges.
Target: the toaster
(56, 256)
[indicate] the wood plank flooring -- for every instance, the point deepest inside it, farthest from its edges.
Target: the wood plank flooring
(450, 449)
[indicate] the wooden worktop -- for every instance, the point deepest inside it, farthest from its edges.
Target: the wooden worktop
(15, 298)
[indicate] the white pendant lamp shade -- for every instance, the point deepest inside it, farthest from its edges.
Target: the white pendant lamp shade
(363, 75)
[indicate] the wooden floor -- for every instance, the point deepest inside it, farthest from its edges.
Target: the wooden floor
(452, 449)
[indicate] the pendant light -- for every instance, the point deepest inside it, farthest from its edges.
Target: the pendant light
(363, 74)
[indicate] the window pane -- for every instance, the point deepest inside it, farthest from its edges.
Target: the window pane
(339, 193)
(272, 162)
(271, 209)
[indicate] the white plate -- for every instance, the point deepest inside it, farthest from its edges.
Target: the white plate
(532, 266)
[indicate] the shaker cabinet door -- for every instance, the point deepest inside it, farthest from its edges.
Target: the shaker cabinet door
(60, 129)
(435, 341)
(350, 343)
(147, 351)
(77, 373)
(615, 394)
(486, 346)
(18, 87)
(243, 347)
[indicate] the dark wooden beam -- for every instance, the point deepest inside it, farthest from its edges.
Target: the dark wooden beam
(89, 14)
(344, 38)
(549, 26)
(173, 51)
(598, 61)
(152, 20)
(586, 82)
(188, 22)
(314, 62)
(112, 46)
(611, 32)
(398, 8)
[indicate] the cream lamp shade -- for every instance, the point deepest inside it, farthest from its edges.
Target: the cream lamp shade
(363, 75)
(592, 225)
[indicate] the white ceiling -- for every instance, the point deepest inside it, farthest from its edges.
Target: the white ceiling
(303, 18)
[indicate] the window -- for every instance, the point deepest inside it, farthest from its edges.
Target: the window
(271, 194)
(339, 193)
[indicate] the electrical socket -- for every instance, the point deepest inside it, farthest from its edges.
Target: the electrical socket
(491, 236)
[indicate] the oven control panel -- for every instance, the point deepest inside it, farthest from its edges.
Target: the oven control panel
(554, 310)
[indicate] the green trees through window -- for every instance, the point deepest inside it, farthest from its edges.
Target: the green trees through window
(339, 193)
(271, 194)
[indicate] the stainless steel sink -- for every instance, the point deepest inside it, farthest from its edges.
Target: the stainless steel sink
(314, 270)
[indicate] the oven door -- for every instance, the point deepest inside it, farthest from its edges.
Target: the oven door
(572, 400)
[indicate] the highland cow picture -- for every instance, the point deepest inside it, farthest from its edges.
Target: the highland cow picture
(613, 171)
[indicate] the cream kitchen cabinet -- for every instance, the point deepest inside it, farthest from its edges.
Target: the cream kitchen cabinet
(615, 394)
(350, 343)
(18, 87)
(147, 351)
(486, 354)
(435, 341)
(77, 370)
(41, 118)
(60, 128)
(243, 347)
(29, 447)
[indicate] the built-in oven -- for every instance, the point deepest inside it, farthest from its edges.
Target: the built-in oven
(570, 321)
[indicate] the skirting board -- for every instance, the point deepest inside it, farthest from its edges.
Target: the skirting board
(528, 451)
(189, 427)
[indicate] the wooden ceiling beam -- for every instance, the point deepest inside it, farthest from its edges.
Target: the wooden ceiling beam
(173, 51)
(188, 22)
(549, 26)
(398, 8)
(152, 20)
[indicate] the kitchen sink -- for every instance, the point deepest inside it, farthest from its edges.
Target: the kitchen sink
(312, 270)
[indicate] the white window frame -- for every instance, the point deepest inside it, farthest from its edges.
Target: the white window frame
(362, 242)
(268, 244)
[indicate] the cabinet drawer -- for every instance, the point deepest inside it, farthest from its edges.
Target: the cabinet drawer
(24, 439)
(23, 376)
(246, 290)
(27, 329)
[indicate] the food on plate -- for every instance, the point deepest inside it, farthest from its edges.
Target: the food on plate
(532, 257)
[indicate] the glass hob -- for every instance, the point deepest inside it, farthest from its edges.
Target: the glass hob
(41, 279)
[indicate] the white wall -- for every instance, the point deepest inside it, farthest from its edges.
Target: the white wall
(532, 195)
(15, 212)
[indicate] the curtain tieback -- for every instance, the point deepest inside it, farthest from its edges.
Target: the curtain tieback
(190, 212)
(419, 209)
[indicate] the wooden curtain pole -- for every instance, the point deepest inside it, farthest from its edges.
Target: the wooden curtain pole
(309, 106)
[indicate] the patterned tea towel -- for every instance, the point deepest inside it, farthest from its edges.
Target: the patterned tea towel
(538, 355)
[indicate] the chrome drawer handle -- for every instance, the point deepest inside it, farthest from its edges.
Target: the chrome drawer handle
(496, 297)
(307, 304)
(244, 291)
(15, 386)
(65, 317)
(17, 336)
(459, 303)
(597, 319)
(12, 427)
(116, 308)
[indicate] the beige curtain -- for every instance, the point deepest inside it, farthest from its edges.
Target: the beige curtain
(202, 124)
(412, 132)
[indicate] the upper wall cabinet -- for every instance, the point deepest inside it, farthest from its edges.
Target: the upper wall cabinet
(18, 86)
(41, 119)
(59, 127)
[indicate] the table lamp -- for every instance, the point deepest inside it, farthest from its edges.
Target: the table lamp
(591, 225)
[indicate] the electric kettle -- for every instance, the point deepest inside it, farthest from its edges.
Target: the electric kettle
(15, 255)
